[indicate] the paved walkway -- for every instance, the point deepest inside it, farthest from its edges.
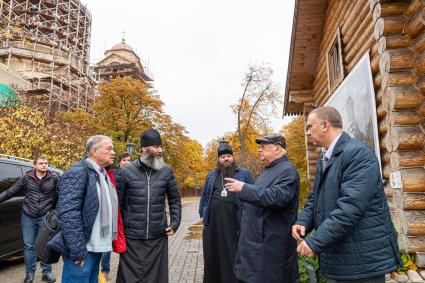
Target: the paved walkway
(185, 254)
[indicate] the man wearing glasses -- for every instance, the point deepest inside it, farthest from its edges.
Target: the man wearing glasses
(266, 250)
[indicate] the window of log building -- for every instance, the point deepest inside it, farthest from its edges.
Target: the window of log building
(335, 63)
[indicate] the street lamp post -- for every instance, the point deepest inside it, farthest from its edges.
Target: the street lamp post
(130, 147)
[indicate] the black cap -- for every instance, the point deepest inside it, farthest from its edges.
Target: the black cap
(150, 137)
(224, 148)
(272, 138)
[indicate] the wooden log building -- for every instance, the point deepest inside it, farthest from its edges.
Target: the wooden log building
(328, 40)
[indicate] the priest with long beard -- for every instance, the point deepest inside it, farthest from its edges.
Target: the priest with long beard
(221, 213)
(143, 187)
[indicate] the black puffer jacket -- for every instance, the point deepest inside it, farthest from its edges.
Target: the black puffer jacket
(40, 194)
(142, 201)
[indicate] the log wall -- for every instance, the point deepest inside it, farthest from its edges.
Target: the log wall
(394, 34)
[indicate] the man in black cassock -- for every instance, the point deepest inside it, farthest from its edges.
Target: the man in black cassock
(143, 187)
(221, 212)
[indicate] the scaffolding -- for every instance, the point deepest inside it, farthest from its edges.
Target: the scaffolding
(47, 42)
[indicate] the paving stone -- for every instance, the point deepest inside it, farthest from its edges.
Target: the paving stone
(186, 263)
(414, 276)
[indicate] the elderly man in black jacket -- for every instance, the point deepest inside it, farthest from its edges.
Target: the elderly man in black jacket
(143, 187)
(40, 190)
(354, 237)
(266, 250)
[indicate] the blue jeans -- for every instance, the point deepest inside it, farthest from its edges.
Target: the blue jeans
(74, 273)
(30, 227)
(106, 258)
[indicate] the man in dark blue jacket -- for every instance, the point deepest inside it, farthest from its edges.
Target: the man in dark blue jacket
(354, 237)
(266, 249)
(88, 211)
(221, 213)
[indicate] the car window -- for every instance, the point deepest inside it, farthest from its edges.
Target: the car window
(9, 174)
(26, 169)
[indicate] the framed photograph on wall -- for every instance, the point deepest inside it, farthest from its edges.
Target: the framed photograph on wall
(355, 100)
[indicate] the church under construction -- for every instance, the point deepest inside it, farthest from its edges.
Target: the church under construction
(44, 49)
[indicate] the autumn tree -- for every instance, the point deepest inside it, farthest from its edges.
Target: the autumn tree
(28, 132)
(258, 102)
(123, 110)
(126, 107)
(296, 150)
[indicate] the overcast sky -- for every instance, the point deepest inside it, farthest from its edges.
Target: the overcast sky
(198, 51)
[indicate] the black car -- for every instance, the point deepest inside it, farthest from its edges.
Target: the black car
(11, 169)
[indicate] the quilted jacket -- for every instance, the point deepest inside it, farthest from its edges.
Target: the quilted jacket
(354, 236)
(78, 206)
(142, 192)
(40, 194)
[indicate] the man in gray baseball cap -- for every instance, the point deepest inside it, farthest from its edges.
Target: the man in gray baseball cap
(266, 250)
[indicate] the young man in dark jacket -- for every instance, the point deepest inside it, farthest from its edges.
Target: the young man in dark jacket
(354, 236)
(143, 187)
(221, 212)
(40, 196)
(266, 250)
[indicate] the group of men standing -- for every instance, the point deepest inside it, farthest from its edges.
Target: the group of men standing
(97, 218)
(251, 227)
(101, 210)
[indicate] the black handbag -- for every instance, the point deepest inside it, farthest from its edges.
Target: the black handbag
(49, 228)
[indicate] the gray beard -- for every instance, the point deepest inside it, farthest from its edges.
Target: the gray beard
(154, 162)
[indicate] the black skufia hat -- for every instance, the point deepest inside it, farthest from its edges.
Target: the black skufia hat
(224, 148)
(150, 137)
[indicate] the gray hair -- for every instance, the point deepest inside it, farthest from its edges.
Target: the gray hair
(94, 142)
(330, 114)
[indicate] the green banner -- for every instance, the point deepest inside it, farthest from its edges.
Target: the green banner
(8, 97)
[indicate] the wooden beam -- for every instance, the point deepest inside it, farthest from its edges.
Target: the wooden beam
(416, 24)
(388, 9)
(402, 97)
(403, 78)
(396, 60)
(411, 223)
(411, 244)
(407, 138)
(389, 25)
(405, 118)
(393, 42)
(301, 96)
(413, 7)
(419, 44)
(409, 201)
(413, 180)
(407, 159)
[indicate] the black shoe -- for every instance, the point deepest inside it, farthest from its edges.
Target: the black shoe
(29, 278)
(48, 277)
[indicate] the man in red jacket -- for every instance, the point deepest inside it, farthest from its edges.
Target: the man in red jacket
(124, 160)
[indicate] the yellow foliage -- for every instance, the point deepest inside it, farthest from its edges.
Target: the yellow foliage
(28, 132)
(296, 150)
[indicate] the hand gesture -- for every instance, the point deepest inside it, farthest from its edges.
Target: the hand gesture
(298, 232)
(233, 185)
